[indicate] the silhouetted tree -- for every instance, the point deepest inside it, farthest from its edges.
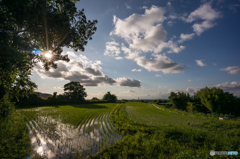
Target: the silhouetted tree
(110, 97)
(179, 100)
(75, 91)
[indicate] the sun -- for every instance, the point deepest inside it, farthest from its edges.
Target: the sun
(48, 54)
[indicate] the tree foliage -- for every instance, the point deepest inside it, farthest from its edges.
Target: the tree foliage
(216, 100)
(179, 100)
(44, 25)
(75, 91)
(110, 97)
(213, 100)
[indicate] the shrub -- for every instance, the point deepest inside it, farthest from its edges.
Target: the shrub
(6, 107)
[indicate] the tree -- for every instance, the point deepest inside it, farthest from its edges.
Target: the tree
(216, 100)
(179, 100)
(75, 91)
(43, 26)
(110, 97)
(94, 99)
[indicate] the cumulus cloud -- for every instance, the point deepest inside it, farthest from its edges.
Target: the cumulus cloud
(128, 82)
(136, 70)
(93, 71)
(200, 63)
(157, 75)
(206, 13)
(185, 37)
(112, 49)
(130, 54)
(144, 33)
(88, 73)
(137, 24)
(160, 63)
(232, 69)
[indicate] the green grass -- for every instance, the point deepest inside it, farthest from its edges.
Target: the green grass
(149, 131)
(155, 115)
(151, 135)
(14, 139)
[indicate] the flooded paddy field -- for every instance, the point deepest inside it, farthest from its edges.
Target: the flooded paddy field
(64, 131)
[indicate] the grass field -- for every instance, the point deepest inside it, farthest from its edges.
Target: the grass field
(157, 132)
(110, 130)
(155, 115)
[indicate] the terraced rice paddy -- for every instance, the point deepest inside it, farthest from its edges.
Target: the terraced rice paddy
(152, 114)
(63, 131)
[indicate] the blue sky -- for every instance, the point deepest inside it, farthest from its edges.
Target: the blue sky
(147, 49)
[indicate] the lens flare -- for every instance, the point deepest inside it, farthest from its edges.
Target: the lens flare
(36, 52)
(48, 54)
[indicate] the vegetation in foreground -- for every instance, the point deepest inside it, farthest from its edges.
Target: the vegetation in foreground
(14, 138)
(171, 140)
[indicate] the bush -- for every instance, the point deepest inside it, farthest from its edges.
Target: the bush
(6, 107)
(218, 101)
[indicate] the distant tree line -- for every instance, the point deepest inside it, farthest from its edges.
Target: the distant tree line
(74, 93)
(206, 100)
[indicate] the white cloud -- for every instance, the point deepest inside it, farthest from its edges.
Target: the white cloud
(185, 37)
(232, 87)
(144, 7)
(207, 14)
(87, 73)
(200, 28)
(232, 69)
(200, 63)
(118, 58)
(144, 32)
(136, 70)
(214, 64)
(160, 63)
(130, 54)
(157, 75)
(128, 7)
(71, 54)
(112, 49)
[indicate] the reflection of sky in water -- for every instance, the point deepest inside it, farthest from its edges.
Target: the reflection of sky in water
(36, 52)
(70, 138)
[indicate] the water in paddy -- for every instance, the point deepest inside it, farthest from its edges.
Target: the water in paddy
(51, 138)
